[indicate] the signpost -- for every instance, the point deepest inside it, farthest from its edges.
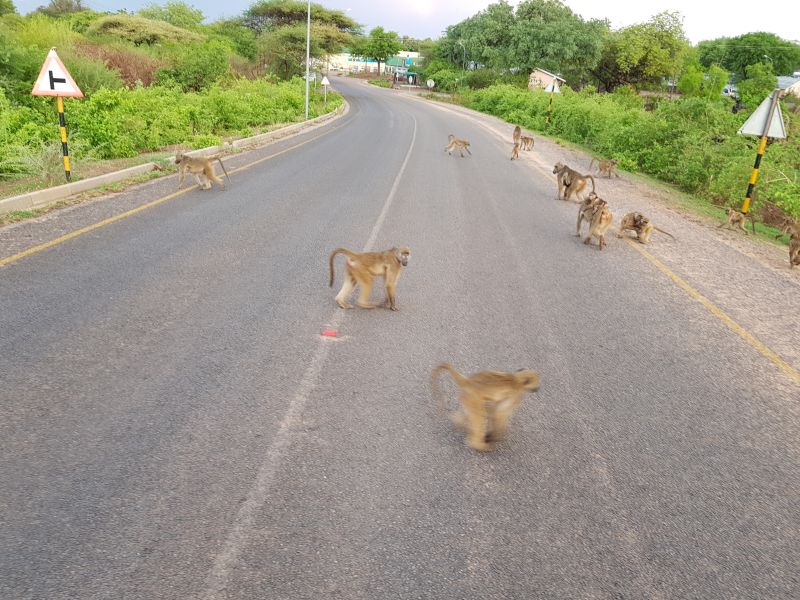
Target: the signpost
(325, 84)
(55, 80)
(767, 122)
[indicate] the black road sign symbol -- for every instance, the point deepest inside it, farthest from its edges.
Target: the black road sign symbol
(55, 80)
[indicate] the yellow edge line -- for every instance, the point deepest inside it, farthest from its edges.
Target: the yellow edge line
(104, 222)
(721, 315)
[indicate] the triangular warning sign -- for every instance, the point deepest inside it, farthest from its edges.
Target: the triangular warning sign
(55, 80)
(756, 124)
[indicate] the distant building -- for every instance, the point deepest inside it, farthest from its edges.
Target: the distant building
(790, 85)
(344, 61)
(541, 79)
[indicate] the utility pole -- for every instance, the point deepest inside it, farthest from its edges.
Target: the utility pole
(308, 52)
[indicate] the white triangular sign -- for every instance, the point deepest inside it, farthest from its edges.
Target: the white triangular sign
(553, 87)
(55, 80)
(757, 122)
(325, 81)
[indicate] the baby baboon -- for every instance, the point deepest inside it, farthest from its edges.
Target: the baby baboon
(515, 151)
(488, 399)
(363, 266)
(527, 142)
(454, 143)
(570, 182)
(641, 225)
(201, 167)
(586, 211)
(735, 219)
(517, 133)
(599, 223)
(606, 167)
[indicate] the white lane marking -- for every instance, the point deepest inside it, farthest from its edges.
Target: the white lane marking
(219, 578)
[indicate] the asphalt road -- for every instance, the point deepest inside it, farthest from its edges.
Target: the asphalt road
(174, 426)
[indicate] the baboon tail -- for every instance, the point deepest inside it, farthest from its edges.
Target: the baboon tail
(592, 178)
(219, 160)
(344, 251)
(591, 162)
(664, 232)
(437, 393)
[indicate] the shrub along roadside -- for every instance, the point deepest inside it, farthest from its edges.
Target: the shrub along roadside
(690, 142)
(122, 123)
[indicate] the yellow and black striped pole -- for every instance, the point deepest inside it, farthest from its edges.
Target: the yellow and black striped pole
(62, 122)
(762, 145)
(549, 108)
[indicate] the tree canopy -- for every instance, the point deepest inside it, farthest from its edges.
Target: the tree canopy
(643, 53)
(379, 45)
(737, 53)
(7, 7)
(268, 15)
(538, 33)
(175, 13)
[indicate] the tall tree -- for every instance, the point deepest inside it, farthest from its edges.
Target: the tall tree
(760, 47)
(268, 15)
(643, 54)
(540, 33)
(7, 7)
(381, 44)
(57, 8)
(759, 81)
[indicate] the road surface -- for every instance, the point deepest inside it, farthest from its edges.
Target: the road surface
(174, 426)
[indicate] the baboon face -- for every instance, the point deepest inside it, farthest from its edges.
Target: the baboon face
(178, 158)
(558, 166)
(528, 379)
(403, 255)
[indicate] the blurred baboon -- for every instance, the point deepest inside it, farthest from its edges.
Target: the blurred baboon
(201, 167)
(453, 143)
(605, 166)
(363, 266)
(735, 219)
(488, 399)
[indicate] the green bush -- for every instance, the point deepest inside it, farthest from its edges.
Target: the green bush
(199, 67)
(689, 142)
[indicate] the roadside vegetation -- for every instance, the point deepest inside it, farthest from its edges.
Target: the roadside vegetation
(152, 81)
(641, 94)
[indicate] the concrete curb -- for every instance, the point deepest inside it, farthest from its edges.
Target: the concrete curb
(41, 198)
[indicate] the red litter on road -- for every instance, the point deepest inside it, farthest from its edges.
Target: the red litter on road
(329, 332)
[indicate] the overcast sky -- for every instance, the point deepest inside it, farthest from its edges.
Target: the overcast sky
(702, 19)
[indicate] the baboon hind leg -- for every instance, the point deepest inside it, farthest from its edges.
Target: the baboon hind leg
(477, 431)
(347, 287)
(365, 283)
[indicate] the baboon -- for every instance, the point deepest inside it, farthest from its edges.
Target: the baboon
(488, 399)
(789, 229)
(454, 143)
(735, 219)
(517, 133)
(599, 223)
(201, 167)
(515, 151)
(605, 166)
(570, 182)
(794, 243)
(585, 211)
(363, 266)
(527, 142)
(637, 222)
